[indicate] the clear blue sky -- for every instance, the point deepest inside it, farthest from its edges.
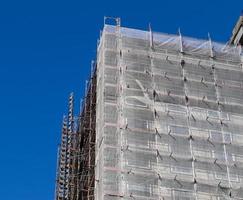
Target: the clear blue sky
(45, 52)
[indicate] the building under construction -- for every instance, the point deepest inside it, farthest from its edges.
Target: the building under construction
(162, 119)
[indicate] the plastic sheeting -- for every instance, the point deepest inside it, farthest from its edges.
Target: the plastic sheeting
(169, 118)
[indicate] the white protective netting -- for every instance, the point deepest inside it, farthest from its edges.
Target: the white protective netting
(169, 124)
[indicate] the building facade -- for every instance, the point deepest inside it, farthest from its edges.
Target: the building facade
(162, 120)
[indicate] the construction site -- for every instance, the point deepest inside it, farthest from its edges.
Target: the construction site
(162, 119)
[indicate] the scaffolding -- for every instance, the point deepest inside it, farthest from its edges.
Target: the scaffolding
(161, 120)
(68, 156)
(76, 161)
(170, 112)
(87, 144)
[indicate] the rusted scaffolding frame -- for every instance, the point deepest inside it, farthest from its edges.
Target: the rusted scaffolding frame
(87, 143)
(67, 156)
(76, 154)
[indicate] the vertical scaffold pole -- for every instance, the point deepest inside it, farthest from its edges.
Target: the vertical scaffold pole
(181, 41)
(151, 39)
(210, 46)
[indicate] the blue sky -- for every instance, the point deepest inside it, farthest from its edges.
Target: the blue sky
(45, 52)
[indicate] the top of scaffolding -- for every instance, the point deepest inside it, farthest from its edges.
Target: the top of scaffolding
(183, 44)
